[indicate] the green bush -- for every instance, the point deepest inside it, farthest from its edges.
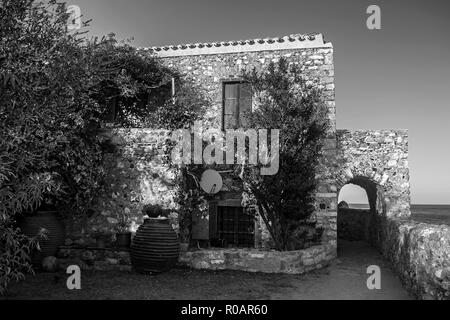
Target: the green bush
(15, 250)
(54, 85)
(154, 211)
(288, 101)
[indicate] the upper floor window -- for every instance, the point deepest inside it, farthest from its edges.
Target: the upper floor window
(144, 102)
(237, 101)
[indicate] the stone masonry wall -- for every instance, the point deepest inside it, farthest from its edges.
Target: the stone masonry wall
(136, 175)
(420, 254)
(252, 260)
(207, 72)
(378, 162)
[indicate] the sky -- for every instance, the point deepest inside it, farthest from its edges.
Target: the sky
(394, 78)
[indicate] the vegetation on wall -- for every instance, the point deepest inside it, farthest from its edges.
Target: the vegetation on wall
(133, 85)
(187, 106)
(288, 101)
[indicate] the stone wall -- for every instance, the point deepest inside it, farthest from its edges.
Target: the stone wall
(94, 258)
(207, 73)
(420, 254)
(136, 175)
(252, 260)
(377, 161)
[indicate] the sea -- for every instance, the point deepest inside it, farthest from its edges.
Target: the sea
(429, 213)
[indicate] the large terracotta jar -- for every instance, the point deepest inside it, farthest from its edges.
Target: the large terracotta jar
(54, 231)
(155, 247)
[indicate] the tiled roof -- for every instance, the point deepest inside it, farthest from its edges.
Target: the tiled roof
(295, 41)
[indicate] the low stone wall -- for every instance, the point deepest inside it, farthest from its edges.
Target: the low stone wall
(94, 258)
(420, 254)
(253, 260)
(250, 260)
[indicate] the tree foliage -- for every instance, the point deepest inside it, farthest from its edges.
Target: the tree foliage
(288, 101)
(15, 250)
(54, 85)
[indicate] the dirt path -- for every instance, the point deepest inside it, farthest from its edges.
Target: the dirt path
(345, 279)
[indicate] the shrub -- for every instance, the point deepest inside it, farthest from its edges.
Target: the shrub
(124, 223)
(288, 101)
(15, 250)
(53, 89)
(154, 211)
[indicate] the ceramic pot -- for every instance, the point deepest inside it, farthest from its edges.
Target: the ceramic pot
(155, 247)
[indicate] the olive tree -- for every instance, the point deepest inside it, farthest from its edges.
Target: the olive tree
(288, 100)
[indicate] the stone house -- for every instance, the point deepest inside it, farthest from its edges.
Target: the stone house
(375, 160)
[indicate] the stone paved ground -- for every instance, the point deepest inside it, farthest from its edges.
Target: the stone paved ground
(345, 279)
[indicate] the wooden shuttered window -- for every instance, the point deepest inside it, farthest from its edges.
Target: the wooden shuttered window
(237, 102)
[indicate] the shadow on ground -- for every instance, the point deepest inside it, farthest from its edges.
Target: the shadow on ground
(345, 279)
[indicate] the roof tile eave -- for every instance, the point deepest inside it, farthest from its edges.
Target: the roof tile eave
(293, 41)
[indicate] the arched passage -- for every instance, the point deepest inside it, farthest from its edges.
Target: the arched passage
(353, 195)
(360, 224)
(370, 188)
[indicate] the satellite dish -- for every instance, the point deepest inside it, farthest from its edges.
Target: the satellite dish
(211, 181)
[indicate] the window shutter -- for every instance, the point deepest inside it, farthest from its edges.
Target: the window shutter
(230, 108)
(213, 220)
(245, 102)
(237, 104)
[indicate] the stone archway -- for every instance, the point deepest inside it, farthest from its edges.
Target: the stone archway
(378, 162)
(387, 192)
(362, 224)
(369, 187)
